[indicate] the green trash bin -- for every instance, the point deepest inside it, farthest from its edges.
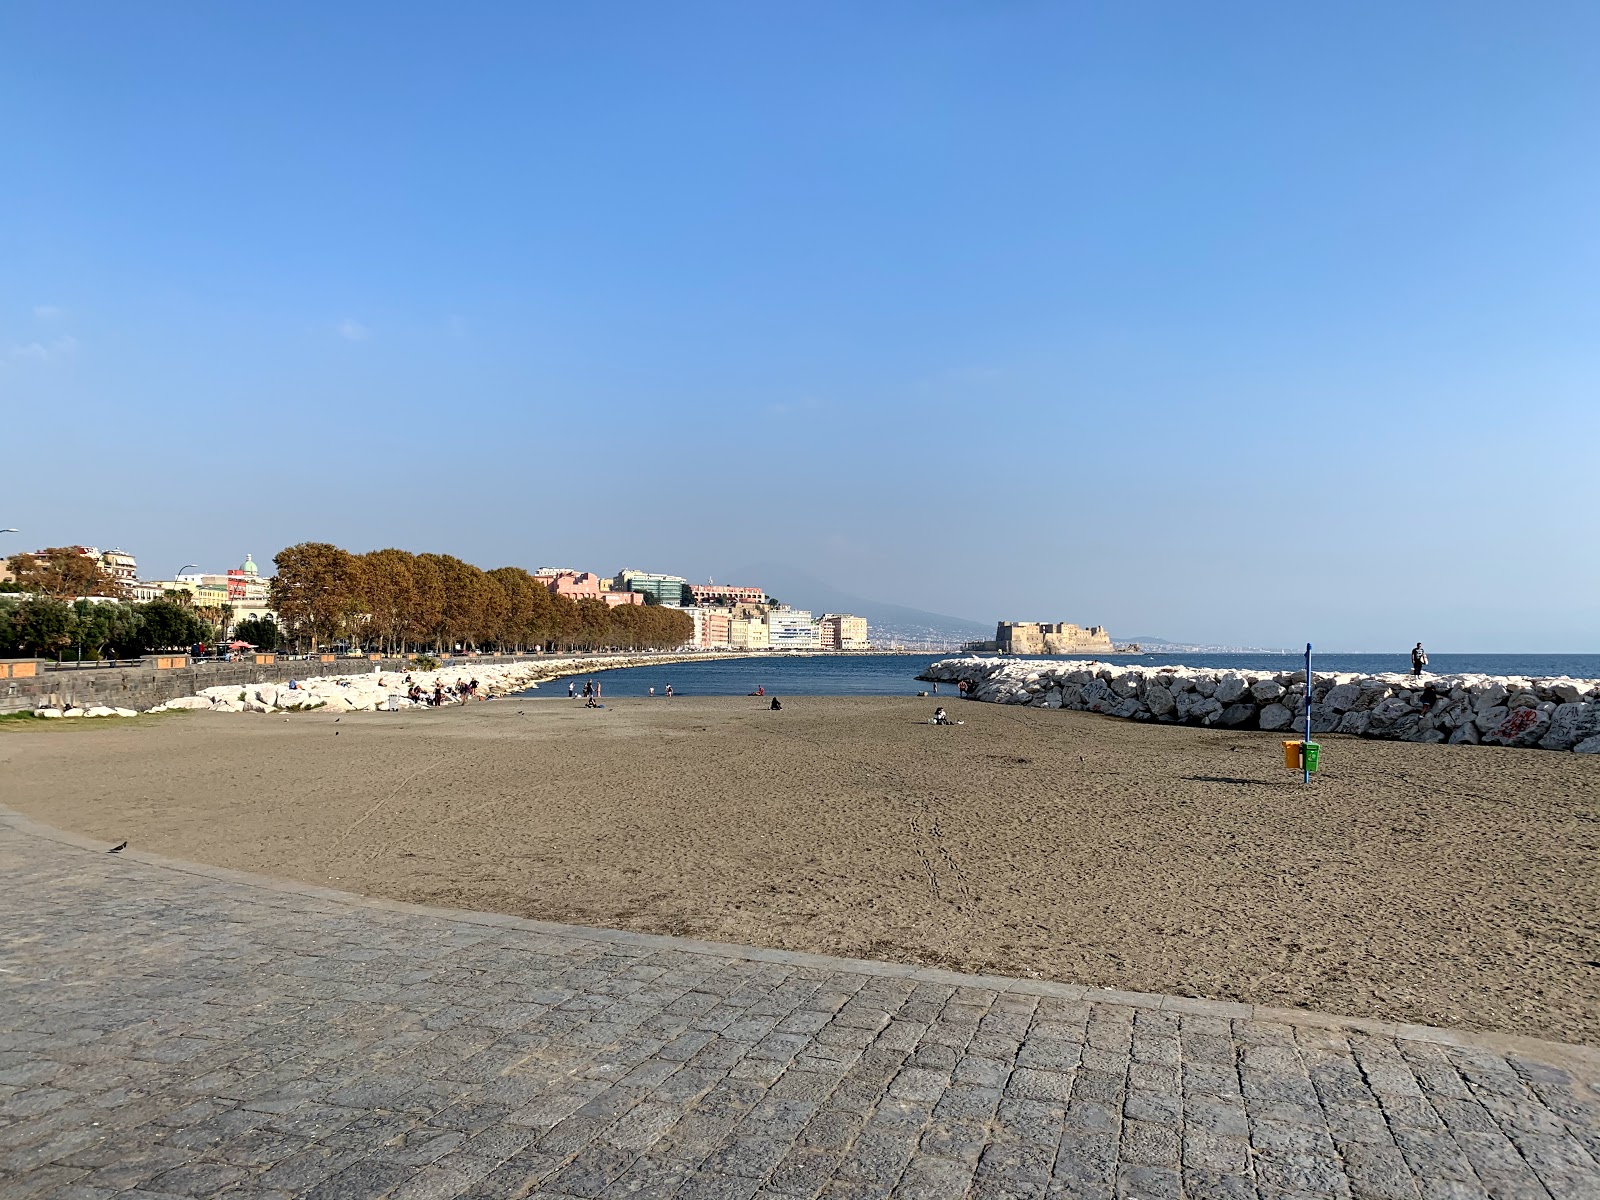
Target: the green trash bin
(1312, 752)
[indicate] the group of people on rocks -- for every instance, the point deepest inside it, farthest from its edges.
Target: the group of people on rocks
(457, 693)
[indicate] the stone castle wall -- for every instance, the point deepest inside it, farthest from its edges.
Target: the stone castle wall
(1551, 714)
(1061, 637)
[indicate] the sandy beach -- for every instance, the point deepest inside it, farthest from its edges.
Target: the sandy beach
(1447, 885)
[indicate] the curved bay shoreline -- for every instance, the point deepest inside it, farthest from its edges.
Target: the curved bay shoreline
(1434, 884)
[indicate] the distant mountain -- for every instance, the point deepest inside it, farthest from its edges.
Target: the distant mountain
(886, 622)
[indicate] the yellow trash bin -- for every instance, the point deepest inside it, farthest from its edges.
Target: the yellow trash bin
(1291, 755)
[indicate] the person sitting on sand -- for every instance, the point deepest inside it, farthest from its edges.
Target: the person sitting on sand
(777, 705)
(940, 717)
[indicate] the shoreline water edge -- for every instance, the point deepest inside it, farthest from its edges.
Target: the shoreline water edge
(1537, 713)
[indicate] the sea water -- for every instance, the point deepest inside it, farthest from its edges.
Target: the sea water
(896, 674)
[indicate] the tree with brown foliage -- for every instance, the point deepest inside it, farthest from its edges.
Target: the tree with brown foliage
(62, 573)
(394, 600)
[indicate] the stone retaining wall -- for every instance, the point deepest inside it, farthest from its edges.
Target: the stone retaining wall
(142, 687)
(1550, 714)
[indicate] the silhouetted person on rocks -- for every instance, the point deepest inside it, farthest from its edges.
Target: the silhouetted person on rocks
(1419, 659)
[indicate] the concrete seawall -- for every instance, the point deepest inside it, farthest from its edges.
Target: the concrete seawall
(1548, 714)
(140, 686)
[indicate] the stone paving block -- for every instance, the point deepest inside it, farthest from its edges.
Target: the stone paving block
(286, 1042)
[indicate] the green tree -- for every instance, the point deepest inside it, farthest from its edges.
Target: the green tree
(46, 627)
(169, 626)
(260, 632)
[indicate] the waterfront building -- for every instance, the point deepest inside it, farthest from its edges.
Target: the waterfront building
(747, 633)
(792, 629)
(671, 590)
(585, 585)
(841, 631)
(245, 583)
(121, 566)
(1034, 637)
(712, 627)
(726, 594)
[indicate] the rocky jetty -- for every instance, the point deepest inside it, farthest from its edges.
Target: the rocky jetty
(382, 690)
(1550, 714)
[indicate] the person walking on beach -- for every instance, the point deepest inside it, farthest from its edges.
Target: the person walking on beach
(572, 690)
(1419, 659)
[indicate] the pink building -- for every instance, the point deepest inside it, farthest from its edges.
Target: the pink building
(721, 593)
(586, 585)
(713, 627)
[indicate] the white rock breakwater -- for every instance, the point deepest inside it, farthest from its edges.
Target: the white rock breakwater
(378, 690)
(1550, 714)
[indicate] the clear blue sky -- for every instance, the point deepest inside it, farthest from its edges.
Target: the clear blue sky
(1241, 322)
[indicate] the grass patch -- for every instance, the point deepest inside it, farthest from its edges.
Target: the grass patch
(19, 722)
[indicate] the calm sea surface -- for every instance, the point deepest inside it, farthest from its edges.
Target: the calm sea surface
(896, 674)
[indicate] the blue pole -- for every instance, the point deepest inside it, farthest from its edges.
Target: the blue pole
(1305, 738)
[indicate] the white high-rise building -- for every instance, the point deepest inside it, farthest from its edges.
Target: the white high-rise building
(792, 629)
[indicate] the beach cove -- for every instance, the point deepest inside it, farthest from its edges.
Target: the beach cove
(1434, 884)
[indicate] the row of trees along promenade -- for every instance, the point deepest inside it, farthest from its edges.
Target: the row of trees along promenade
(45, 612)
(394, 601)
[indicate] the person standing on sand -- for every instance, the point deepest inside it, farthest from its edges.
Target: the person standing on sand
(572, 690)
(1419, 659)
(669, 691)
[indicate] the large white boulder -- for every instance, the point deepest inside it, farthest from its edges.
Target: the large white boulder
(1159, 700)
(1229, 688)
(100, 710)
(125, 712)
(188, 702)
(1342, 697)
(1276, 716)
(49, 713)
(1571, 724)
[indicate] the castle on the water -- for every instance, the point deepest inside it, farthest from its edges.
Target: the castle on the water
(1034, 637)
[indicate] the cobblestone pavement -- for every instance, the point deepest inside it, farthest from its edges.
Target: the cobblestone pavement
(168, 1030)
